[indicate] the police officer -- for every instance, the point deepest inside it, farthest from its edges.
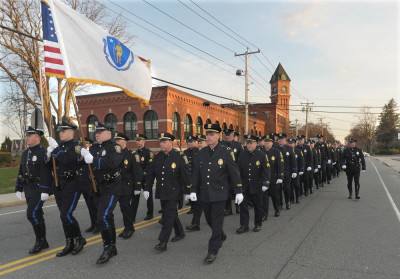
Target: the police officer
(295, 182)
(290, 167)
(309, 167)
(171, 171)
(132, 176)
(202, 141)
(34, 179)
(146, 157)
(255, 173)
(69, 157)
(277, 173)
(353, 161)
(329, 163)
(191, 150)
(338, 151)
(107, 163)
(317, 164)
(321, 145)
(236, 148)
(214, 171)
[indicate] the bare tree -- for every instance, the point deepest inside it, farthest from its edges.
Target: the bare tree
(364, 130)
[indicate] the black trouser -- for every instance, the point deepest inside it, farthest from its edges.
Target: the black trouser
(214, 213)
(197, 210)
(337, 169)
(323, 172)
(287, 188)
(272, 192)
(308, 176)
(105, 216)
(135, 206)
(150, 203)
(317, 177)
(295, 189)
(34, 211)
(170, 220)
(329, 172)
(353, 174)
(126, 207)
(90, 200)
(67, 200)
(255, 199)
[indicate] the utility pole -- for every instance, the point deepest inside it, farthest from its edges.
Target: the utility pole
(296, 127)
(307, 109)
(322, 126)
(246, 85)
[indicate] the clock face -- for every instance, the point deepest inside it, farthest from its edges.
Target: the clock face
(284, 89)
(283, 77)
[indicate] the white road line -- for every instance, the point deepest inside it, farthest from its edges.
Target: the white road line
(396, 210)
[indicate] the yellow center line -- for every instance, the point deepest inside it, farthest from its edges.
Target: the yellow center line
(50, 254)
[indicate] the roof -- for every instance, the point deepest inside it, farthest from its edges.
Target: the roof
(279, 74)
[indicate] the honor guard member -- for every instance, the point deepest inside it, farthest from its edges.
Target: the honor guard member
(146, 157)
(296, 183)
(309, 165)
(69, 158)
(290, 167)
(277, 172)
(317, 163)
(107, 163)
(329, 162)
(255, 173)
(214, 171)
(323, 150)
(190, 152)
(34, 179)
(132, 176)
(338, 151)
(236, 148)
(353, 162)
(171, 171)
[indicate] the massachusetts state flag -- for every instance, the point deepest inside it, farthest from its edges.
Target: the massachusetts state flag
(78, 50)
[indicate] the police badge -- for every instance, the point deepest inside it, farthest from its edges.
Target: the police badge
(125, 162)
(173, 165)
(220, 162)
(273, 158)
(118, 149)
(257, 163)
(103, 153)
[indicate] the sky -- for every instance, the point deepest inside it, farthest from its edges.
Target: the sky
(337, 53)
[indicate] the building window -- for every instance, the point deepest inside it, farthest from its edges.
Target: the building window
(199, 126)
(176, 125)
(150, 121)
(224, 127)
(91, 126)
(208, 121)
(130, 125)
(111, 121)
(188, 126)
(231, 127)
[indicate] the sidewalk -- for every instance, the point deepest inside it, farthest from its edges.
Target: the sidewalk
(8, 200)
(392, 161)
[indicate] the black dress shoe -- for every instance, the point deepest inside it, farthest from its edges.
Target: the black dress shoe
(126, 233)
(177, 238)
(210, 258)
(193, 228)
(257, 228)
(224, 237)
(39, 246)
(242, 230)
(288, 206)
(79, 243)
(161, 247)
(277, 213)
(108, 252)
(69, 246)
(264, 218)
(357, 197)
(148, 217)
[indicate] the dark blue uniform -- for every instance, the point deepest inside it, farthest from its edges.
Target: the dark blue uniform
(353, 159)
(290, 168)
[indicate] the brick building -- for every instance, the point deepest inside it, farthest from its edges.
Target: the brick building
(181, 113)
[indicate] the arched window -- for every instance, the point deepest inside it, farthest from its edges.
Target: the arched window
(231, 127)
(208, 121)
(188, 125)
(91, 126)
(130, 125)
(199, 126)
(111, 121)
(150, 121)
(176, 125)
(224, 127)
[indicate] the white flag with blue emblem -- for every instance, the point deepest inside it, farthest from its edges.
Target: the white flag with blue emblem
(91, 55)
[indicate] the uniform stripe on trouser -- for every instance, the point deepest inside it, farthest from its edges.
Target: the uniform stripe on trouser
(35, 219)
(72, 208)
(105, 216)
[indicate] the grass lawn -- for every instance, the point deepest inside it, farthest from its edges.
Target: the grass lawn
(7, 180)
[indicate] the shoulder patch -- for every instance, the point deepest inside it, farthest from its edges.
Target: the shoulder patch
(117, 148)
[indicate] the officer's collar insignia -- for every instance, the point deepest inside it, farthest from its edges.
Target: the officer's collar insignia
(118, 149)
(220, 162)
(173, 165)
(273, 158)
(257, 163)
(125, 162)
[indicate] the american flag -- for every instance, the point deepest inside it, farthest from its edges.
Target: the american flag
(53, 60)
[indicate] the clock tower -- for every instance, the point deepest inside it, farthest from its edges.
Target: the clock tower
(280, 97)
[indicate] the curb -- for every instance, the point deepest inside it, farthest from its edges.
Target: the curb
(19, 202)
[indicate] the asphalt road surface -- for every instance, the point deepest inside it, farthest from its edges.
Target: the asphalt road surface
(325, 236)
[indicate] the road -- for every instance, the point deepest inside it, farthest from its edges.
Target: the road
(325, 236)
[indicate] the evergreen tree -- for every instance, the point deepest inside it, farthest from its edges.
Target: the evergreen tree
(386, 132)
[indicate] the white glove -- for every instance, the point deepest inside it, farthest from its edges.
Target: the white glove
(52, 143)
(279, 181)
(187, 197)
(136, 192)
(294, 175)
(301, 173)
(316, 170)
(19, 195)
(309, 169)
(319, 166)
(363, 171)
(193, 196)
(146, 195)
(334, 163)
(239, 198)
(88, 158)
(344, 167)
(49, 150)
(264, 188)
(44, 196)
(329, 161)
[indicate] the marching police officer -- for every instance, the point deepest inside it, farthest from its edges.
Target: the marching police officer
(107, 163)
(69, 157)
(317, 164)
(323, 150)
(146, 157)
(132, 176)
(290, 172)
(353, 161)
(236, 148)
(306, 179)
(255, 173)
(276, 167)
(338, 151)
(171, 171)
(34, 179)
(214, 171)
(296, 183)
